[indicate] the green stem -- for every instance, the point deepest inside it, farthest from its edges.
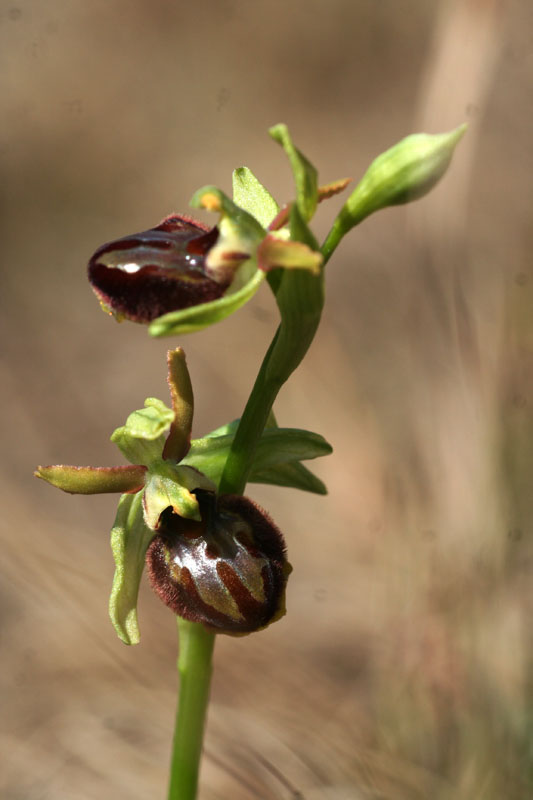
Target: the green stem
(194, 667)
(338, 230)
(300, 298)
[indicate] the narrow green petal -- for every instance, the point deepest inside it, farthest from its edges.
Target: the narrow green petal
(93, 480)
(331, 189)
(179, 381)
(130, 538)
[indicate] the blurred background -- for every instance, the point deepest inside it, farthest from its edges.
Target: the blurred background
(402, 670)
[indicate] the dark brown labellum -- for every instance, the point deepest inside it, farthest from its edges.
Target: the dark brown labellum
(143, 276)
(228, 571)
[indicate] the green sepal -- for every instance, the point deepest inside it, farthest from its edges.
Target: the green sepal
(142, 438)
(195, 318)
(305, 174)
(277, 446)
(239, 231)
(169, 484)
(130, 538)
(405, 172)
(93, 480)
(250, 195)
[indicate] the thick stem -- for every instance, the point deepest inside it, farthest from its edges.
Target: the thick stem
(194, 667)
(300, 298)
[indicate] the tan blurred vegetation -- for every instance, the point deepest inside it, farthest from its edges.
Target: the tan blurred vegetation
(402, 670)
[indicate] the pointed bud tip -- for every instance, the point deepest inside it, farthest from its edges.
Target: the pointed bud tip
(403, 173)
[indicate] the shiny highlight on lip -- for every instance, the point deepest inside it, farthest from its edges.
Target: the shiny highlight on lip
(148, 274)
(228, 571)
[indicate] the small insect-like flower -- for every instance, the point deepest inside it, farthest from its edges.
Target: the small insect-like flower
(145, 275)
(227, 571)
(182, 276)
(218, 560)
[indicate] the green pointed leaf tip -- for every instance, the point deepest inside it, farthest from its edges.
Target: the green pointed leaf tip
(130, 538)
(305, 174)
(142, 438)
(405, 172)
(250, 195)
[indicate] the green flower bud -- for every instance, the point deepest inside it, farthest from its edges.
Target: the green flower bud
(403, 173)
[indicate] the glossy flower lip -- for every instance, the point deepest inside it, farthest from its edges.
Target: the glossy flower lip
(228, 571)
(160, 270)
